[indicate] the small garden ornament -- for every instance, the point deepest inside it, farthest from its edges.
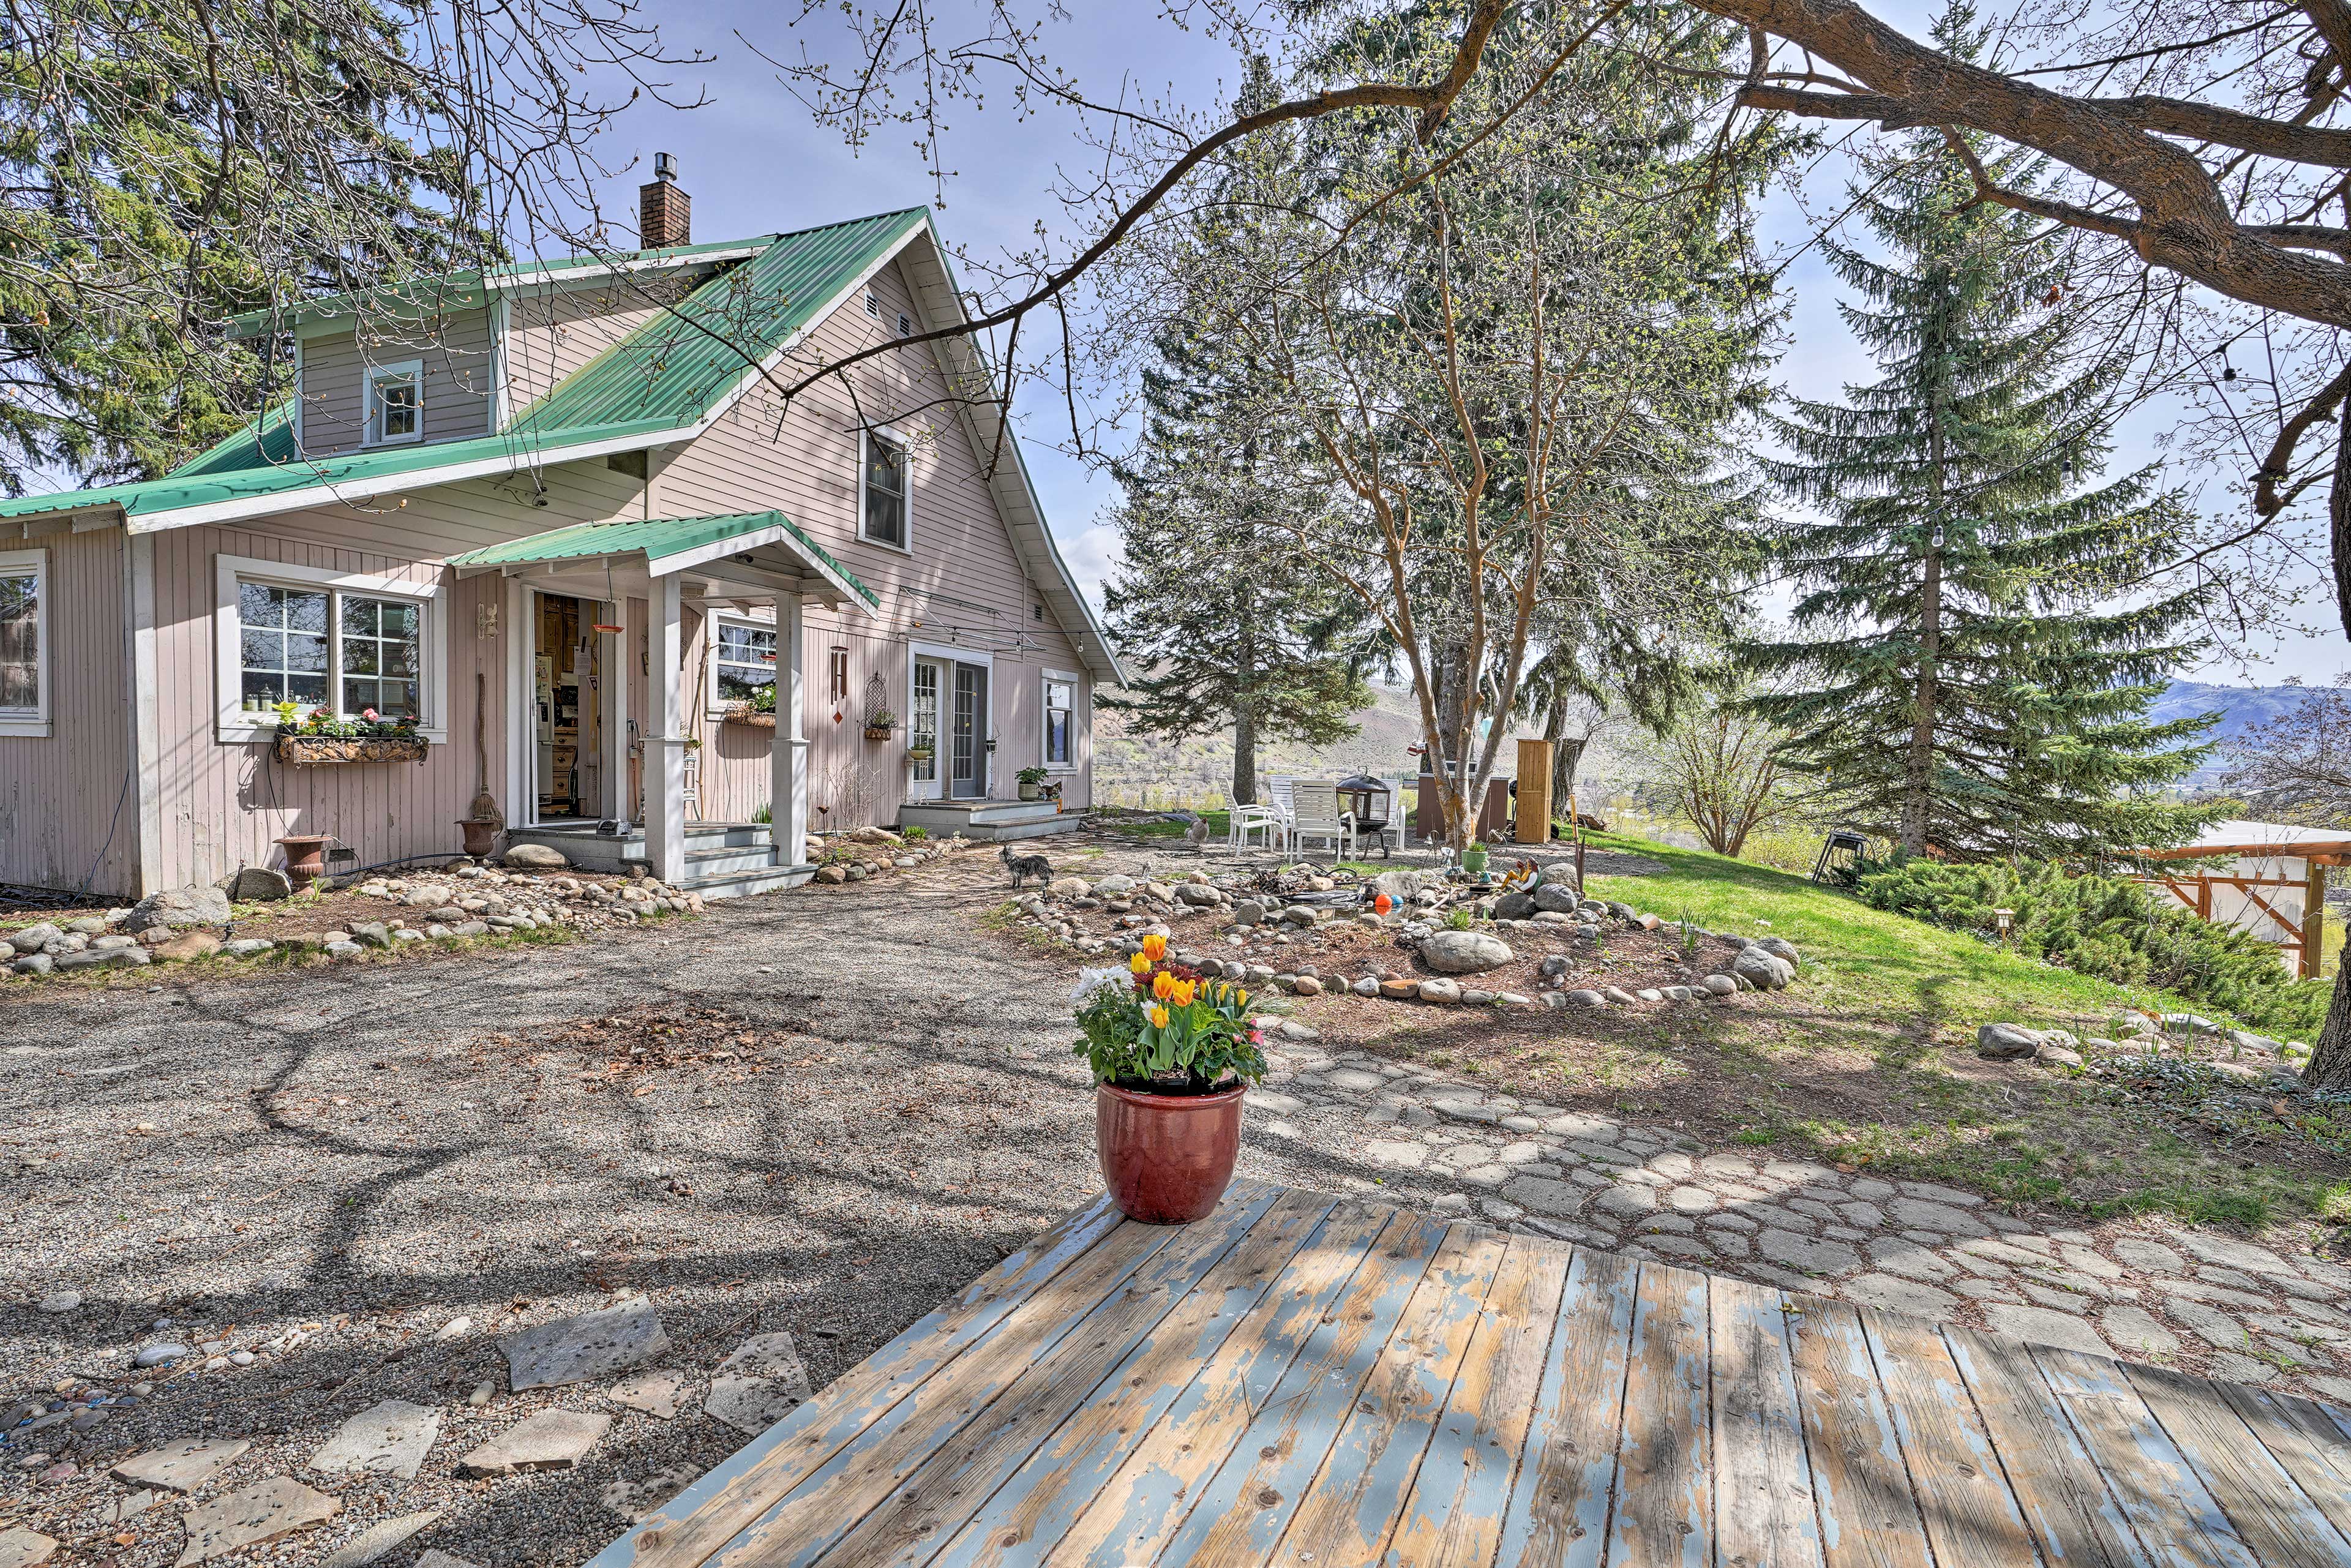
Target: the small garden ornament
(1173, 1051)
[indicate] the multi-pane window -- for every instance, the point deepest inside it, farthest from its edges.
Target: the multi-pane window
(1060, 704)
(327, 648)
(746, 662)
(884, 508)
(21, 696)
(395, 404)
(381, 655)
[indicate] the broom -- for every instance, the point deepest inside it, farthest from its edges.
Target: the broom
(485, 807)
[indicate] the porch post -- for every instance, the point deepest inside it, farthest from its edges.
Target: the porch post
(788, 756)
(665, 745)
(614, 663)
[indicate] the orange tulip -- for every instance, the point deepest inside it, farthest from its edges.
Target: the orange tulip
(1155, 946)
(1139, 963)
(1163, 985)
(1159, 1017)
(1181, 992)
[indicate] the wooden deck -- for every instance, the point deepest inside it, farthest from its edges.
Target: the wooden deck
(1319, 1383)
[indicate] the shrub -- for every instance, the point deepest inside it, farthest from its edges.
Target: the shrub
(915, 835)
(2107, 927)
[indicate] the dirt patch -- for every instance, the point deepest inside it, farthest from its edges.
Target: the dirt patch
(666, 1038)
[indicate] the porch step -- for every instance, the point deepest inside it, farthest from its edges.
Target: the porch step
(768, 878)
(726, 861)
(988, 820)
(589, 850)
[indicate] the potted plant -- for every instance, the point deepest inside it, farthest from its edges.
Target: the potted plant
(1473, 860)
(758, 712)
(878, 724)
(1173, 1052)
(920, 752)
(1032, 781)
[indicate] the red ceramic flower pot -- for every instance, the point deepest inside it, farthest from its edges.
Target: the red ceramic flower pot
(1167, 1158)
(304, 857)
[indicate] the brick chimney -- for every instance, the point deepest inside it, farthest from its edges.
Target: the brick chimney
(664, 213)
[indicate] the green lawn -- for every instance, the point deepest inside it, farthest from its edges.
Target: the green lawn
(1868, 1061)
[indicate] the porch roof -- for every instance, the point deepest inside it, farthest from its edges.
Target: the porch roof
(675, 544)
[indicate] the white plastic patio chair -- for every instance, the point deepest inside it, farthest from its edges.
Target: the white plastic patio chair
(1269, 816)
(1314, 814)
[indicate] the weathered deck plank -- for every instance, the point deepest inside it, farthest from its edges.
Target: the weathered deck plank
(1559, 1510)
(1764, 1515)
(1317, 1383)
(1665, 1505)
(1972, 1520)
(1141, 1505)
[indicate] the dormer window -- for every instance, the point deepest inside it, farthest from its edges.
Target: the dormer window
(395, 403)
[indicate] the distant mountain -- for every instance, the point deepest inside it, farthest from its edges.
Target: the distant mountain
(2242, 707)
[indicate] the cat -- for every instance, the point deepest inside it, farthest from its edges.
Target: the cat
(1022, 867)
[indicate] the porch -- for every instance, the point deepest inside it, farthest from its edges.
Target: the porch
(988, 820)
(1303, 1379)
(587, 777)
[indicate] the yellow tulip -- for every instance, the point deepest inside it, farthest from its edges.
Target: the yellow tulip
(1155, 946)
(1240, 999)
(1181, 992)
(1139, 963)
(1159, 1017)
(1163, 985)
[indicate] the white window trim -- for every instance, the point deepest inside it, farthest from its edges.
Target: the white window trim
(233, 725)
(753, 619)
(1077, 692)
(33, 723)
(906, 453)
(371, 435)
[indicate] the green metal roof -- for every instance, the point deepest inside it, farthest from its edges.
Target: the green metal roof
(665, 377)
(423, 297)
(666, 539)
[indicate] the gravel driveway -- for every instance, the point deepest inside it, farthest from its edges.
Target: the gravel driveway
(379, 1149)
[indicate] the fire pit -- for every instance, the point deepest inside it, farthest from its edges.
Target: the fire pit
(1367, 801)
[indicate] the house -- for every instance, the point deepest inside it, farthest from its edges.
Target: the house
(561, 515)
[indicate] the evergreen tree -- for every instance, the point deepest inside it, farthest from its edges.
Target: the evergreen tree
(1213, 599)
(1956, 670)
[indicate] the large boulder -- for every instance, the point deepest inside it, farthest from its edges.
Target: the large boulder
(1406, 886)
(178, 906)
(31, 938)
(1463, 952)
(536, 857)
(1117, 885)
(2007, 1042)
(1068, 887)
(1764, 971)
(1516, 906)
(1557, 896)
(1781, 948)
(1198, 892)
(260, 884)
(1560, 873)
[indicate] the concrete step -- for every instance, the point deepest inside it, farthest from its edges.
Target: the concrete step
(727, 860)
(744, 884)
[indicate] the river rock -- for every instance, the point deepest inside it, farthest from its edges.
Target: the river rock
(1556, 897)
(188, 945)
(1764, 971)
(1440, 990)
(2006, 1042)
(536, 857)
(197, 905)
(1463, 952)
(1516, 906)
(31, 938)
(1781, 948)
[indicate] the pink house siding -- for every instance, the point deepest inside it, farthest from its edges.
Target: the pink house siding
(59, 822)
(960, 586)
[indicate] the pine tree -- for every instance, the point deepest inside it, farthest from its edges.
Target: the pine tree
(1956, 669)
(1212, 599)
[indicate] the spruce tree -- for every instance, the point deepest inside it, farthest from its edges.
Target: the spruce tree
(1958, 670)
(1212, 600)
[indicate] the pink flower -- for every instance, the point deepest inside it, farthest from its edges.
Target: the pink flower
(1257, 1037)
(368, 713)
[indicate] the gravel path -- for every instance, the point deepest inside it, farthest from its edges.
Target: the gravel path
(326, 1170)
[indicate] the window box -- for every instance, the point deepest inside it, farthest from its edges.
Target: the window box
(314, 749)
(745, 715)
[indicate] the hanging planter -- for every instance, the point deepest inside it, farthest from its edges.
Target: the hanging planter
(880, 726)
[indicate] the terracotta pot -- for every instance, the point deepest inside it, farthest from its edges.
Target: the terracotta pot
(479, 835)
(304, 857)
(1167, 1158)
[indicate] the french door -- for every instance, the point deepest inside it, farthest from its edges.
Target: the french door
(923, 730)
(968, 774)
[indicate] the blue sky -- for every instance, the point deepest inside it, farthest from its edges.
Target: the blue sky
(754, 162)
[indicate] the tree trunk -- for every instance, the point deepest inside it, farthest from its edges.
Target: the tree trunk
(1566, 757)
(2330, 1062)
(2338, 517)
(1918, 769)
(1245, 707)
